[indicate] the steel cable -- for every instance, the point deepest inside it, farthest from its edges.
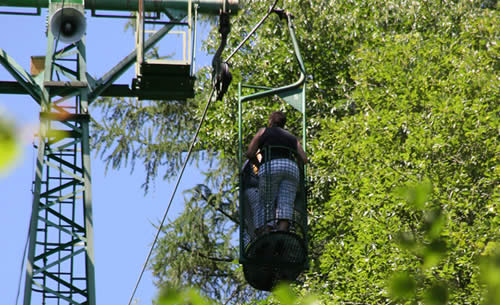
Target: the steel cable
(160, 227)
(173, 194)
(271, 9)
(22, 265)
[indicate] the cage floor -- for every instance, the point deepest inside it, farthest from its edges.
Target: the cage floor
(272, 258)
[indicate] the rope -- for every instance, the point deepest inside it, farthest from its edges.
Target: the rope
(271, 9)
(22, 266)
(173, 194)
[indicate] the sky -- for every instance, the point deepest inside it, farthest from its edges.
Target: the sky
(123, 215)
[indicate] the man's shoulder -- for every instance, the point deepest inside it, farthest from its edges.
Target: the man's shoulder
(288, 133)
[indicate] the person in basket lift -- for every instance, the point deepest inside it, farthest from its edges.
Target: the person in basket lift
(277, 168)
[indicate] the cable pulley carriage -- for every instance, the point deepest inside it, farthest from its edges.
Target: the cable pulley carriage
(270, 252)
(165, 78)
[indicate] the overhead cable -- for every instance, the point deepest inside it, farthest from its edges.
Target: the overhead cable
(193, 142)
(271, 9)
(160, 227)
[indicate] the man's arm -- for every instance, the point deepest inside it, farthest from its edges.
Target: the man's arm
(254, 145)
(301, 152)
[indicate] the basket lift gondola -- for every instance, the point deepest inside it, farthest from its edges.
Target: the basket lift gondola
(268, 255)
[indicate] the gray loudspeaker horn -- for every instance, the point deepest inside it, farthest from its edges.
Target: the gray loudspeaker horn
(68, 24)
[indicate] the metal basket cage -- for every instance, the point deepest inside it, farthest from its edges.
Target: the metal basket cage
(273, 192)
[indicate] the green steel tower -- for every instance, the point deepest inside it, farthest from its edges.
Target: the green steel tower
(60, 262)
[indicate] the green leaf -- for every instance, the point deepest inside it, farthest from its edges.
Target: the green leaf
(434, 223)
(402, 286)
(171, 296)
(490, 273)
(417, 195)
(433, 253)
(285, 295)
(9, 147)
(437, 294)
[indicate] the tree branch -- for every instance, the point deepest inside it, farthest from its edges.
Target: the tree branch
(232, 218)
(212, 258)
(234, 294)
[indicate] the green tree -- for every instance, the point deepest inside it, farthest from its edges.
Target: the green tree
(424, 86)
(401, 94)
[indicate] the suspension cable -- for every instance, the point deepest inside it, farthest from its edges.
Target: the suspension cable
(195, 137)
(173, 194)
(271, 9)
(22, 264)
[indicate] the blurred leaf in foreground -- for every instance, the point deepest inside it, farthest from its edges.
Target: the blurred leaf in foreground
(9, 148)
(490, 273)
(402, 286)
(286, 296)
(171, 296)
(437, 294)
(416, 195)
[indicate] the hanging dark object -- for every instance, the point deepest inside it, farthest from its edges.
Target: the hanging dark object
(221, 75)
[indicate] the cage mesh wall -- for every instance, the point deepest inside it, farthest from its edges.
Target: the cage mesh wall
(272, 194)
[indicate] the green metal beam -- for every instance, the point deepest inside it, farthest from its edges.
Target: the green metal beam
(57, 249)
(287, 91)
(204, 6)
(115, 90)
(10, 87)
(62, 282)
(107, 80)
(56, 293)
(60, 260)
(23, 78)
(77, 227)
(65, 163)
(59, 188)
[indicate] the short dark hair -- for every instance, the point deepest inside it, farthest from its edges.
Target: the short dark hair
(277, 119)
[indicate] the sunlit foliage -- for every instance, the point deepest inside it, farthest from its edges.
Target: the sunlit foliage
(403, 129)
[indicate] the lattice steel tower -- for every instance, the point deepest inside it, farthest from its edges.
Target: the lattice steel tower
(60, 263)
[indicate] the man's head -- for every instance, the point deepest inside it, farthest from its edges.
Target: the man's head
(277, 119)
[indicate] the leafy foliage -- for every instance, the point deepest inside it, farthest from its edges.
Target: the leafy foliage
(169, 296)
(402, 140)
(156, 132)
(197, 249)
(426, 99)
(283, 295)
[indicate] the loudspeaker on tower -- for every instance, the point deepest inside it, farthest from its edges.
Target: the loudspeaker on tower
(68, 24)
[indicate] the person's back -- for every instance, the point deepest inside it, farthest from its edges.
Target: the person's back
(278, 137)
